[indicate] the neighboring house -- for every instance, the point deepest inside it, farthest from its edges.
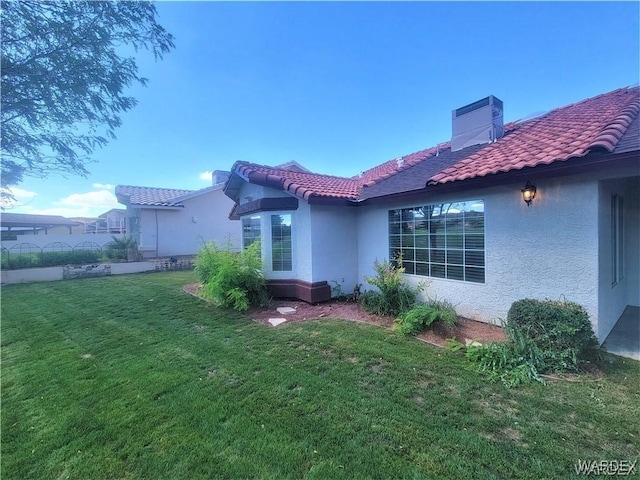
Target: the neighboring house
(14, 225)
(112, 221)
(457, 216)
(177, 222)
(27, 234)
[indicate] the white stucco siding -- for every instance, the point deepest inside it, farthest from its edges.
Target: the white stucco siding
(300, 232)
(302, 241)
(324, 243)
(615, 296)
(547, 250)
(373, 239)
(300, 228)
(204, 218)
(335, 246)
(147, 233)
(633, 243)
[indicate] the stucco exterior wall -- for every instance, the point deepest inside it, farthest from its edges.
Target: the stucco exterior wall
(300, 233)
(335, 246)
(614, 298)
(633, 243)
(547, 250)
(324, 240)
(146, 230)
(204, 218)
(301, 238)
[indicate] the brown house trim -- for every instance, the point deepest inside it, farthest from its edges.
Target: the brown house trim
(266, 205)
(595, 162)
(306, 291)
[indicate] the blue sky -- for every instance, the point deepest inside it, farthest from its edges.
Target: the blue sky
(339, 87)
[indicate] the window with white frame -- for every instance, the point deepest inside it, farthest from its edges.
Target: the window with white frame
(443, 240)
(281, 251)
(617, 239)
(250, 230)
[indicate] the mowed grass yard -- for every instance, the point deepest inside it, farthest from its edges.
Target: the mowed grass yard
(128, 377)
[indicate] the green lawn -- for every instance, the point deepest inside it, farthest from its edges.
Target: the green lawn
(128, 377)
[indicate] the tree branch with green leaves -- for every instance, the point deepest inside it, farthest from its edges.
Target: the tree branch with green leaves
(64, 80)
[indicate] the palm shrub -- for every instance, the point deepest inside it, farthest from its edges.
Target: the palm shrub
(232, 279)
(424, 315)
(121, 248)
(394, 296)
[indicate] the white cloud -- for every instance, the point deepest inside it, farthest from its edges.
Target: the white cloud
(65, 212)
(103, 186)
(89, 204)
(21, 193)
(19, 197)
(206, 175)
(98, 199)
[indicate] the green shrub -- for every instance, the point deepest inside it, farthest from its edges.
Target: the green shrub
(16, 261)
(561, 331)
(543, 336)
(121, 248)
(514, 362)
(424, 315)
(502, 361)
(50, 259)
(232, 280)
(87, 256)
(394, 296)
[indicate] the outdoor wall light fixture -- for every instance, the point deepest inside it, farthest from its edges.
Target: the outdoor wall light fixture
(528, 193)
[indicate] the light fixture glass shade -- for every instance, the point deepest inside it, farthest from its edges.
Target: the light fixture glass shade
(528, 193)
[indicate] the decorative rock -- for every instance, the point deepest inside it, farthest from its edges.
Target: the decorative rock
(472, 343)
(286, 310)
(277, 321)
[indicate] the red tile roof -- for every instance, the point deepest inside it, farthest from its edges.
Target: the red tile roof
(300, 184)
(156, 197)
(564, 133)
(149, 196)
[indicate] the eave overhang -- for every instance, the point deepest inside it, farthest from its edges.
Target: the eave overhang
(595, 162)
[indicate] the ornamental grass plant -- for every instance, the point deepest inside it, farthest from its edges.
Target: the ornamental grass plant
(232, 279)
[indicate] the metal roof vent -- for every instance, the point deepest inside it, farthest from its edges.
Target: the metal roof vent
(477, 123)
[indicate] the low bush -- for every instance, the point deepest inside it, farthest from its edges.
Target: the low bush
(424, 315)
(232, 280)
(15, 262)
(50, 259)
(394, 296)
(514, 362)
(544, 336)
(560, 330)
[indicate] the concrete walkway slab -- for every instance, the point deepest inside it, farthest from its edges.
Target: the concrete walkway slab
(624, 339)
(277, 321)
(286, 310)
